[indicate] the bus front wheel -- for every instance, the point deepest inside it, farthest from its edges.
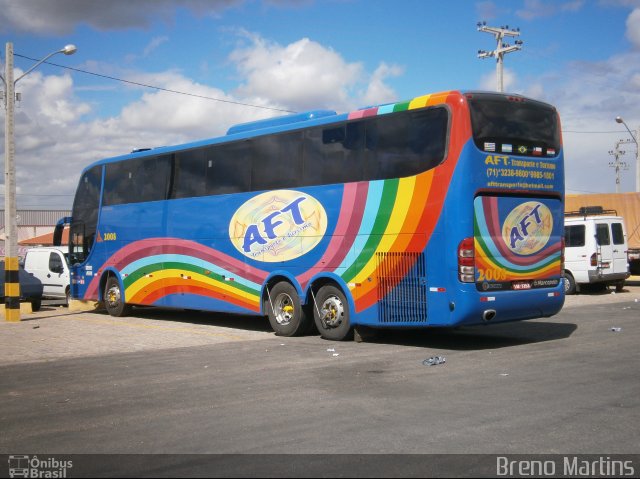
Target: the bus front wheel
(286, 315)
(114, 299)
(332, 314)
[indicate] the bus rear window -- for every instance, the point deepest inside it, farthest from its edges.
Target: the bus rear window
(514, 125)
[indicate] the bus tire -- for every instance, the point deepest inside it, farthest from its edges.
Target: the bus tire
(286, 315)
(113, 299)
(569, 283)
(332, 314)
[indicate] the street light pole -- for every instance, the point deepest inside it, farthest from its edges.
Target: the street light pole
(634, 139)
(11, 268)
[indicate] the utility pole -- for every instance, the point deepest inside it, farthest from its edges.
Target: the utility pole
(11, 268)
(502, 48)
(617, 164)
(634, 139)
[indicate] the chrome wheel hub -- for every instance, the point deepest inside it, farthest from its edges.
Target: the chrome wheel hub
(283, 309)
(332, 312)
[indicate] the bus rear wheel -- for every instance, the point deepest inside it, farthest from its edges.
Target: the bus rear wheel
(114, 299)
(332, 314)
(286, 314)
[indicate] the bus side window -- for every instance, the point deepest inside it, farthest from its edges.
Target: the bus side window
(135, 181)
(189, 174)
(152, 178)
(276, 161)
(327, 160)
(228, 168)
(405, 145)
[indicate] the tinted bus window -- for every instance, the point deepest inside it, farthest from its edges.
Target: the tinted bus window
(228, 168)
(138, 180)
(617, 233)
(574, 235)
(389, 146)
(276, 161)
(518, 126)
(190, 171)
(334, 154)
(405, 145)
(85, 214)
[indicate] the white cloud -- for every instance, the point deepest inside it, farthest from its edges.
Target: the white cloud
(589, 96)
(378, 91)
(303, 73)
(55, 139)
(154, 44)
(537, 8)
(489, 81)
(633, 28)
(487, 10)
(307, 75)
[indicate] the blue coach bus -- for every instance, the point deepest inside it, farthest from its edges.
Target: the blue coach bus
(439, 211)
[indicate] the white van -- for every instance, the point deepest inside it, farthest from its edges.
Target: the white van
(595, 249)
(51, 267)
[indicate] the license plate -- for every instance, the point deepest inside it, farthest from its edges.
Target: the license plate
(521, 285)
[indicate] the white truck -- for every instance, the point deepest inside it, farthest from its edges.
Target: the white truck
(595, 249)
(626, 205)
(50, 266)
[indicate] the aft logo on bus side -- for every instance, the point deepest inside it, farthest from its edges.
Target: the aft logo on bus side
(278, 226)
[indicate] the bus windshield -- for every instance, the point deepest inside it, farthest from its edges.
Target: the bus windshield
(514, 125)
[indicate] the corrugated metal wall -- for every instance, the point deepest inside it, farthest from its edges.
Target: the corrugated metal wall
(626, 204)
(37, 217)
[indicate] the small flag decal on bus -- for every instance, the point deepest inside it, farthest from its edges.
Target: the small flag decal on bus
(506, 148)
(489, 146)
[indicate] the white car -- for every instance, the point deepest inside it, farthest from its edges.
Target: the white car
(51, 267)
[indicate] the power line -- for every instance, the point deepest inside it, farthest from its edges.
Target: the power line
(204, 97)
(157, 87)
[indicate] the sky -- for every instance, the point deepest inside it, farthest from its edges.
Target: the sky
(216, 63)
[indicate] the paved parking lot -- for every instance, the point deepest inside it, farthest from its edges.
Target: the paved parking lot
(176, 382)
(55, 333)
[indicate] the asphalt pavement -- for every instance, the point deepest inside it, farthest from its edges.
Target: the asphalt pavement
(175, 382)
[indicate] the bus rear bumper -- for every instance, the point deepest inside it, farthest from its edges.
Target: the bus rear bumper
(499, 308)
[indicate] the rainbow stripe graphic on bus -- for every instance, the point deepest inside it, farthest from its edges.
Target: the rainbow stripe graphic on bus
(159, 267)
(520, 247)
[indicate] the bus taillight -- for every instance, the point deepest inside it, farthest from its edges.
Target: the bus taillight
(594, 259)
(466, 261)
